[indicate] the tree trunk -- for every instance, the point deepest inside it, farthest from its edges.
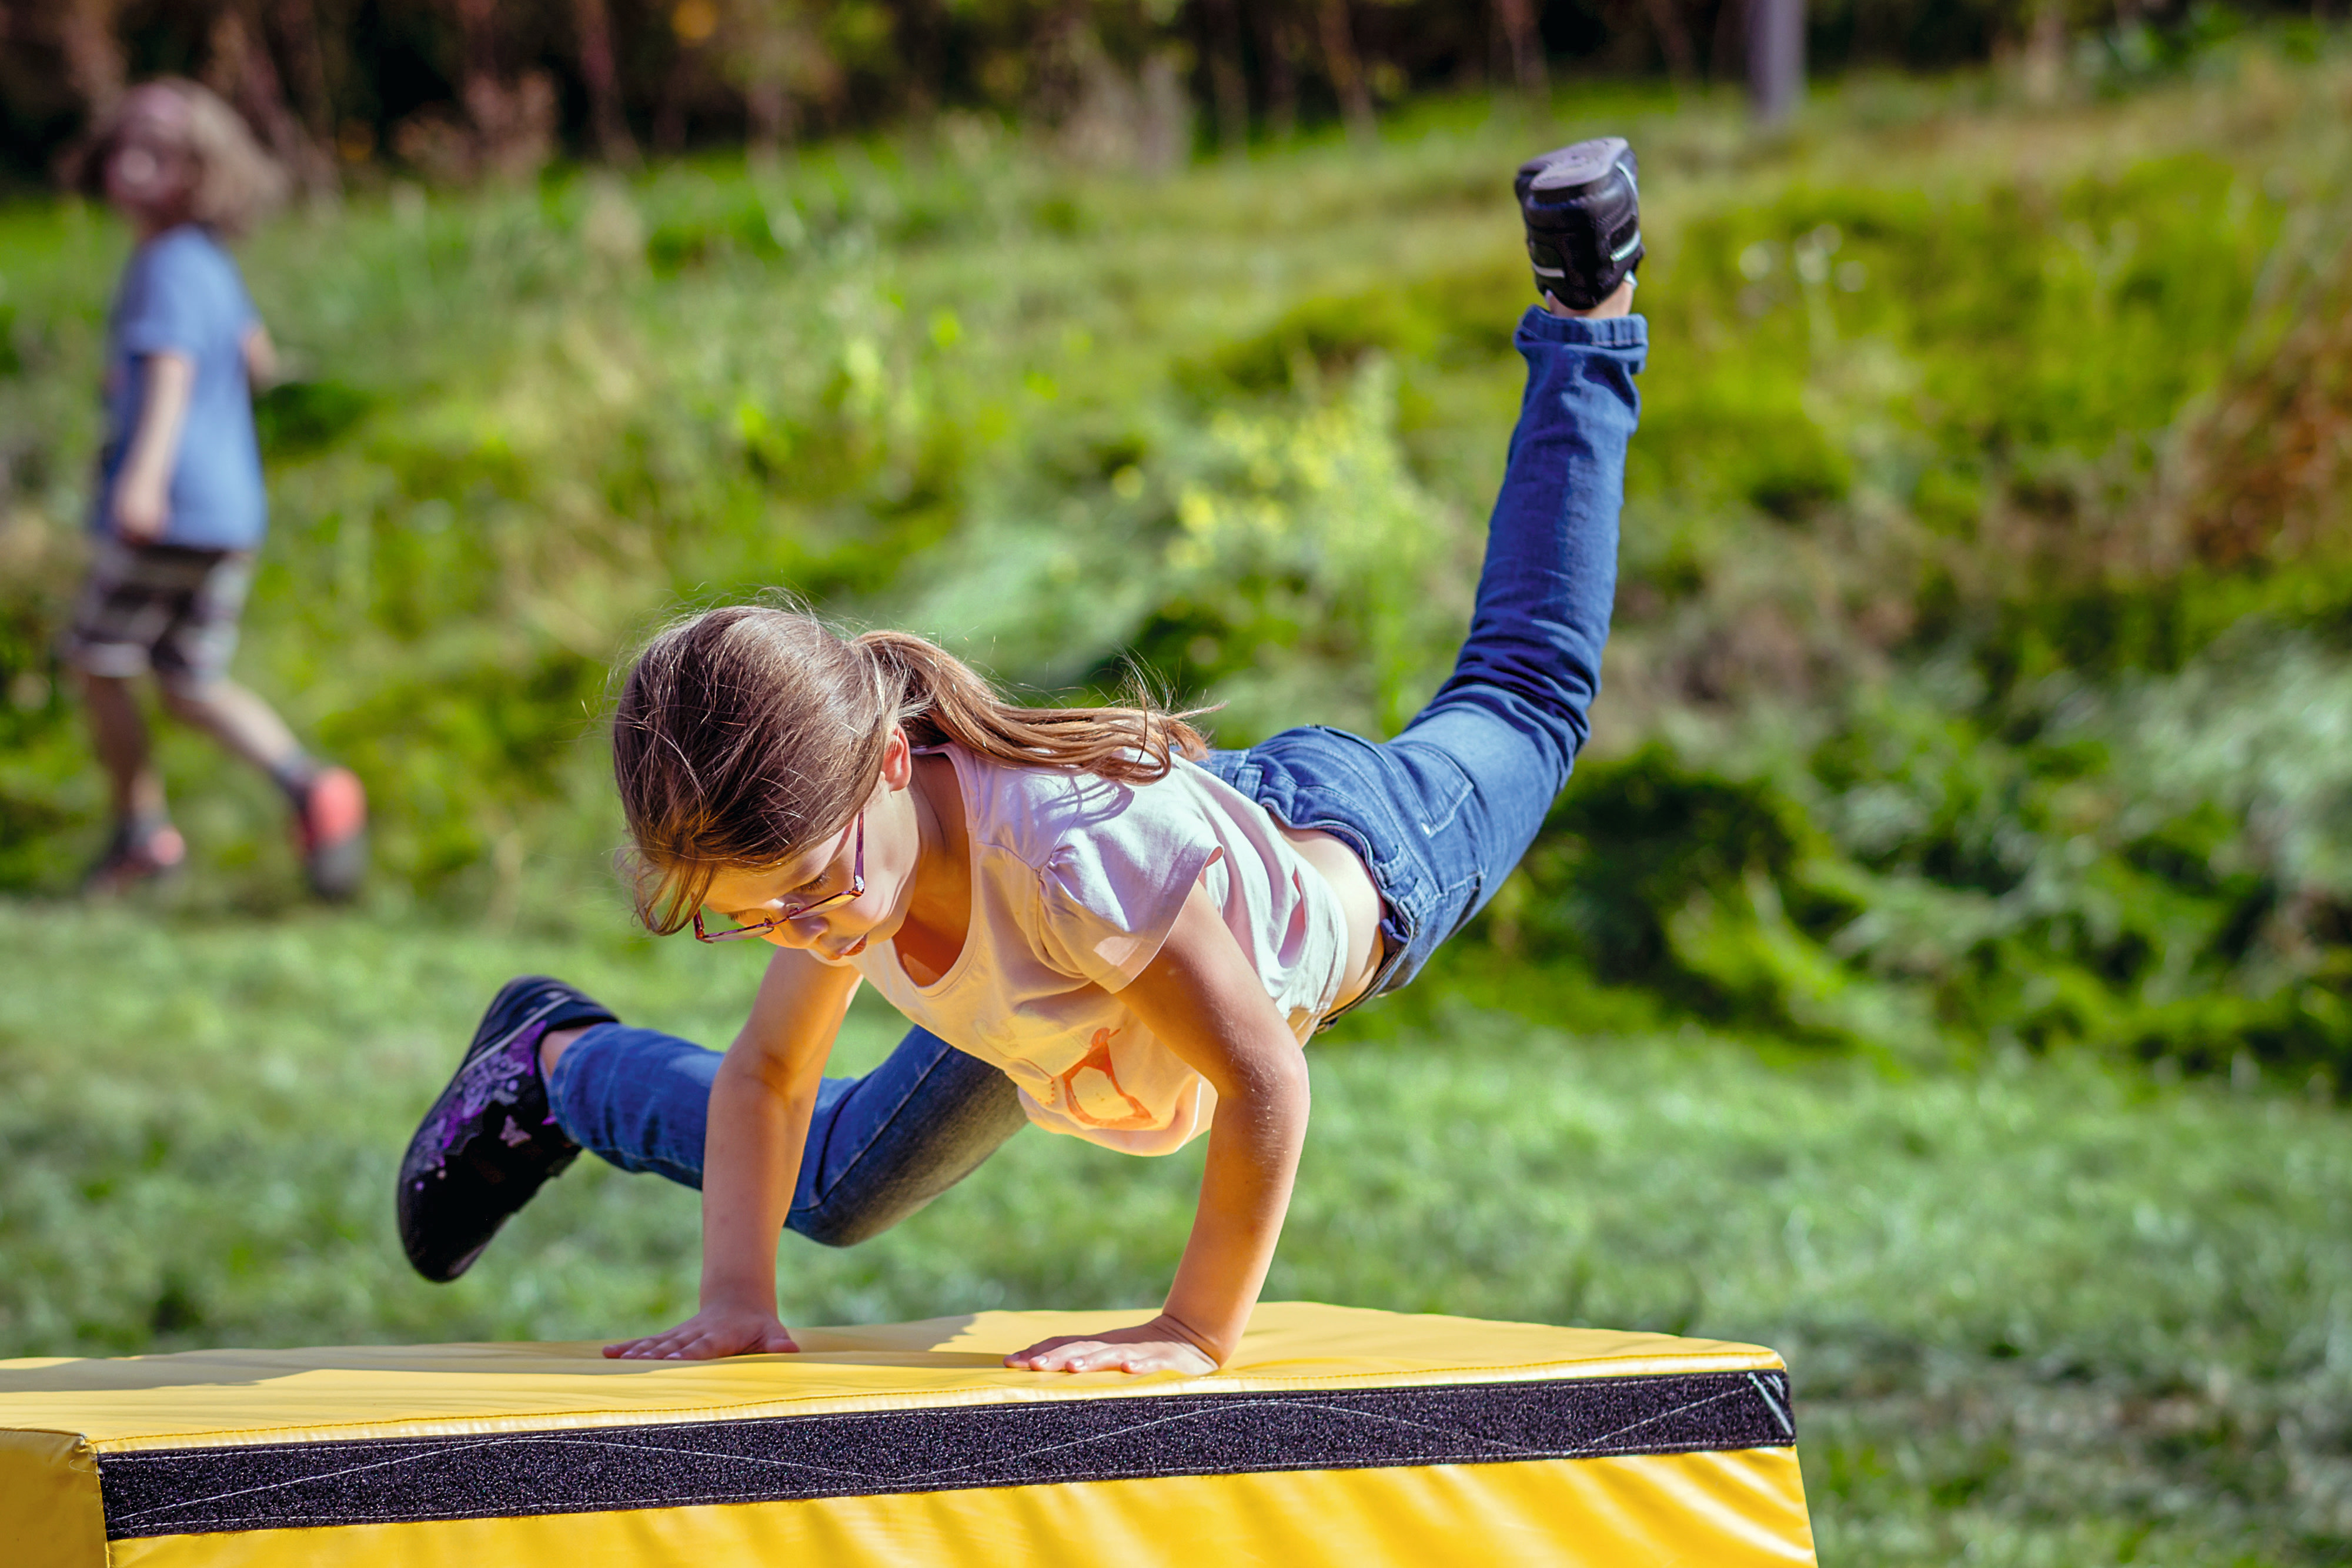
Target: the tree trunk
(922, 46)
(768, 36)
(1228, 85)
(1346, 71)
(477, 29)
(1776, 58)
(2043, 67)
(1521, 32)
(241, 71)
(768, 109)
(1727, 56)
(1674, 40)
(94, 66)
(304, 50)
(593, 30)
(1282, 51)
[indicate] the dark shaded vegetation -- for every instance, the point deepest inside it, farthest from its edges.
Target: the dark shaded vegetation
(460, 88)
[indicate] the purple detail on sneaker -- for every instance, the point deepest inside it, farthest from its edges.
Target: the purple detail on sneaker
(513, 1136)
(500, 1076)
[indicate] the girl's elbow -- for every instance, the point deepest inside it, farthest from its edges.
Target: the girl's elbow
(757, 1073)
(1278, 1085)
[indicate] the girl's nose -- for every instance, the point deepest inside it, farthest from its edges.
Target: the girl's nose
(801, 931)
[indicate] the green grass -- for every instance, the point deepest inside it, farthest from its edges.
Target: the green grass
(2040, 1312)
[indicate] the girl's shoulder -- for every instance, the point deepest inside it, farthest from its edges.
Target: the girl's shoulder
(1034, 813)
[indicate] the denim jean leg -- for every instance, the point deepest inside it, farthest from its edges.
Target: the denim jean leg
(1442, 813)
(1549, 580)
(635, 1097)
(1516, 709)
(879, 1146)
(883, 1146)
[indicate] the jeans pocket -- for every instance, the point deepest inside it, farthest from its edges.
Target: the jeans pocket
(1440, 788)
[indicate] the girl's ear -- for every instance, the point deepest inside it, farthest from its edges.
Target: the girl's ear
(898, 760)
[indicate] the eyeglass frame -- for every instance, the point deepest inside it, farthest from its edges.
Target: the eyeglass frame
(783, 917)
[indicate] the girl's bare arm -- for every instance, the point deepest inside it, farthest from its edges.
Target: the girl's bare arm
(1203, 998)
(760, 1103)
(143, 488)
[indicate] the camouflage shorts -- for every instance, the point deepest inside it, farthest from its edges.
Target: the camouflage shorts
(161, 607)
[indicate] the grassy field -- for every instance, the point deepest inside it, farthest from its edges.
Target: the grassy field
(1936, 971)
(2039, 1311)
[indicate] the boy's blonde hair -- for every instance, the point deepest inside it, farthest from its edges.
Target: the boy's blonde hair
(237, 183)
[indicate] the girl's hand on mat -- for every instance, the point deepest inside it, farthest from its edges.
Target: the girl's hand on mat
(1156, 1346)
(709, 1333)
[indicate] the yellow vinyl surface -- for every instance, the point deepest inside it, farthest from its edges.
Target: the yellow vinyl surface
(204, 1397)
(59, 1419)
(1742, 1510)
(49, 1513)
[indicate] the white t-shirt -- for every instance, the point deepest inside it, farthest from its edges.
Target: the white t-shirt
(1076, 882)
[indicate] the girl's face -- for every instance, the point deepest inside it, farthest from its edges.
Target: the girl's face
(151, 174)
(883, 841)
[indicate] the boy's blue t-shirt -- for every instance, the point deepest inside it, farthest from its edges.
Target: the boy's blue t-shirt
(180, 294)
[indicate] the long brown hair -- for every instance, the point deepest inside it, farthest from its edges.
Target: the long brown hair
(745, 733)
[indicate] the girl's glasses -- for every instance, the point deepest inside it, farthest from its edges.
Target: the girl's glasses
(791, 912)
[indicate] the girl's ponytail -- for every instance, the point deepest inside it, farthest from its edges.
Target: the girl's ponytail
(742, 734)
(941, 698)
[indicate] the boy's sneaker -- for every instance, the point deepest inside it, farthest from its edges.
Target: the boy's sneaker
(137, 853)
(1582, 207)
(490, 1140)
(331, 831)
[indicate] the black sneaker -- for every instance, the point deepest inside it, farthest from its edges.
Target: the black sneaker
(1582, 206)
(489, 1142)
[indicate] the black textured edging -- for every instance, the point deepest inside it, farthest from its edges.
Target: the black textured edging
(390, 1480)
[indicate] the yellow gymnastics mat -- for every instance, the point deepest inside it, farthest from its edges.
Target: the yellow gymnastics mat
(1336, 1437)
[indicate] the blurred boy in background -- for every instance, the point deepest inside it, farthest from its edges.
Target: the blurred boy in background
(179, 506)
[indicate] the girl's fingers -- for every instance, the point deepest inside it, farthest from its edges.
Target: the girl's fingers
(1071, 1355)
(689, 1342)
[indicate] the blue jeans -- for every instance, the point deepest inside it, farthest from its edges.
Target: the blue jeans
(1440, 815)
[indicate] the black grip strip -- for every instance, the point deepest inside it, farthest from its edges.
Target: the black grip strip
(393, 1480)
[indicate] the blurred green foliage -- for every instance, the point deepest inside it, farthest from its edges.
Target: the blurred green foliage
(1954, 699)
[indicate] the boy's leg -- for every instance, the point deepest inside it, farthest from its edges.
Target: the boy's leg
(248, 727)
(880, 1146)
(118, 733)
(126, 603)
(192, 655)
